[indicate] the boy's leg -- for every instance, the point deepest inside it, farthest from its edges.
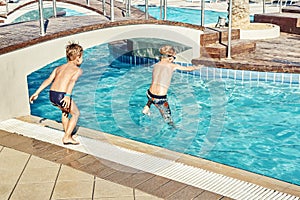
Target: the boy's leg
(74, 111)
(146, 109)
(64, 120)
(165, 111)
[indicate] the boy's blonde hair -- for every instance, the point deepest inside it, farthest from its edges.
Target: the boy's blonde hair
(167, 50)
(73, 50)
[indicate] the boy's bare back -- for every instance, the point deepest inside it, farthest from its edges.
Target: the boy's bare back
(64, 76)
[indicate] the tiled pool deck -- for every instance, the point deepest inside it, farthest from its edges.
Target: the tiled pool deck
(31, 169)
(24, 175)
(91, 171)
(34, 169)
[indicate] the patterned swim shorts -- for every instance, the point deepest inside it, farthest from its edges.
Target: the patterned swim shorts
(161, 102)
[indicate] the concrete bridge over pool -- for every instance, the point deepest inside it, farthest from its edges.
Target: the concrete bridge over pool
(17, 61)
(19, 42)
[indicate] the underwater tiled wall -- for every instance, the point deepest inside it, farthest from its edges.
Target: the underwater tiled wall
(212, 73)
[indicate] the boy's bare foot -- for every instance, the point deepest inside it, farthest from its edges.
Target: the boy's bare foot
(70, 141)
(74, 136)
(146, 110)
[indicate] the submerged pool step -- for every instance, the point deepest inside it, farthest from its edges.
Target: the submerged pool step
(180, 172)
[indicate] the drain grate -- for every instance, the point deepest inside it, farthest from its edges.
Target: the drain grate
(180, 172)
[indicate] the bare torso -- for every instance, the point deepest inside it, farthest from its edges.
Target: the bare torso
(161, 78)
(63, 77)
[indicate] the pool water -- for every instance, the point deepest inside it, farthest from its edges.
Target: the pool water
(187, 15)
(47, 12)
(228, 118)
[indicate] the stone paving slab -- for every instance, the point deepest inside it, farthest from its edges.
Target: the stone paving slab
(65, 186)
(30, 177)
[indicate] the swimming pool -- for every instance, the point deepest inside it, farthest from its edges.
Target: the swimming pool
(187, 15)
(48, 12)
(248, 120)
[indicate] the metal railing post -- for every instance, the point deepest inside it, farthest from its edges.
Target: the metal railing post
(202, 12)
(160, 9)
(229, 30)
(146, 9)
(165, 9)
(103, 7)
(42, 25)
(112, 12)
(129, 8)
(7, 1)
(54, 9)
(280, 7)
(264, 6)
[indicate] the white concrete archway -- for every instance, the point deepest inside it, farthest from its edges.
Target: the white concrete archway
(16, 65)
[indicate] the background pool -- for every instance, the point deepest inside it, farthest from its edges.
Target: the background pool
(187, 15)
(48, 12)
(249, 124)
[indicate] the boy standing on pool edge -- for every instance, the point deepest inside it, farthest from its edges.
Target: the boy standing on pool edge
(161, 80)
(63, 79)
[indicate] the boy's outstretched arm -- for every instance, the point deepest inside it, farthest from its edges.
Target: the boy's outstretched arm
(189, 68)
(45, 84)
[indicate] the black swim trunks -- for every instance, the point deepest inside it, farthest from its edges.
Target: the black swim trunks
(56, 97)
(161, 102)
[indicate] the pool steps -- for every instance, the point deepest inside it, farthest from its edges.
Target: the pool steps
(214, 42)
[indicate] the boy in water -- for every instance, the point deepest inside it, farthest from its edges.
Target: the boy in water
(161, 80)
(63, 79)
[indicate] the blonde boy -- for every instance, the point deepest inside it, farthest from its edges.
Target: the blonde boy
(161, 80)
(63, 79)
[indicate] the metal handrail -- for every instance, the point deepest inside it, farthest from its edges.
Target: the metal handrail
(112, 12)
(127, 8)
(103, 7)
(165, 9)
(54, 9)
(42, 25)
(7, 1)
(229, 30)
(146, 9)
(202, 12)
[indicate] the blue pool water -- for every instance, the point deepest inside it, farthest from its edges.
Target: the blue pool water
(248, 120)
(47, 12)
(187, 15)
